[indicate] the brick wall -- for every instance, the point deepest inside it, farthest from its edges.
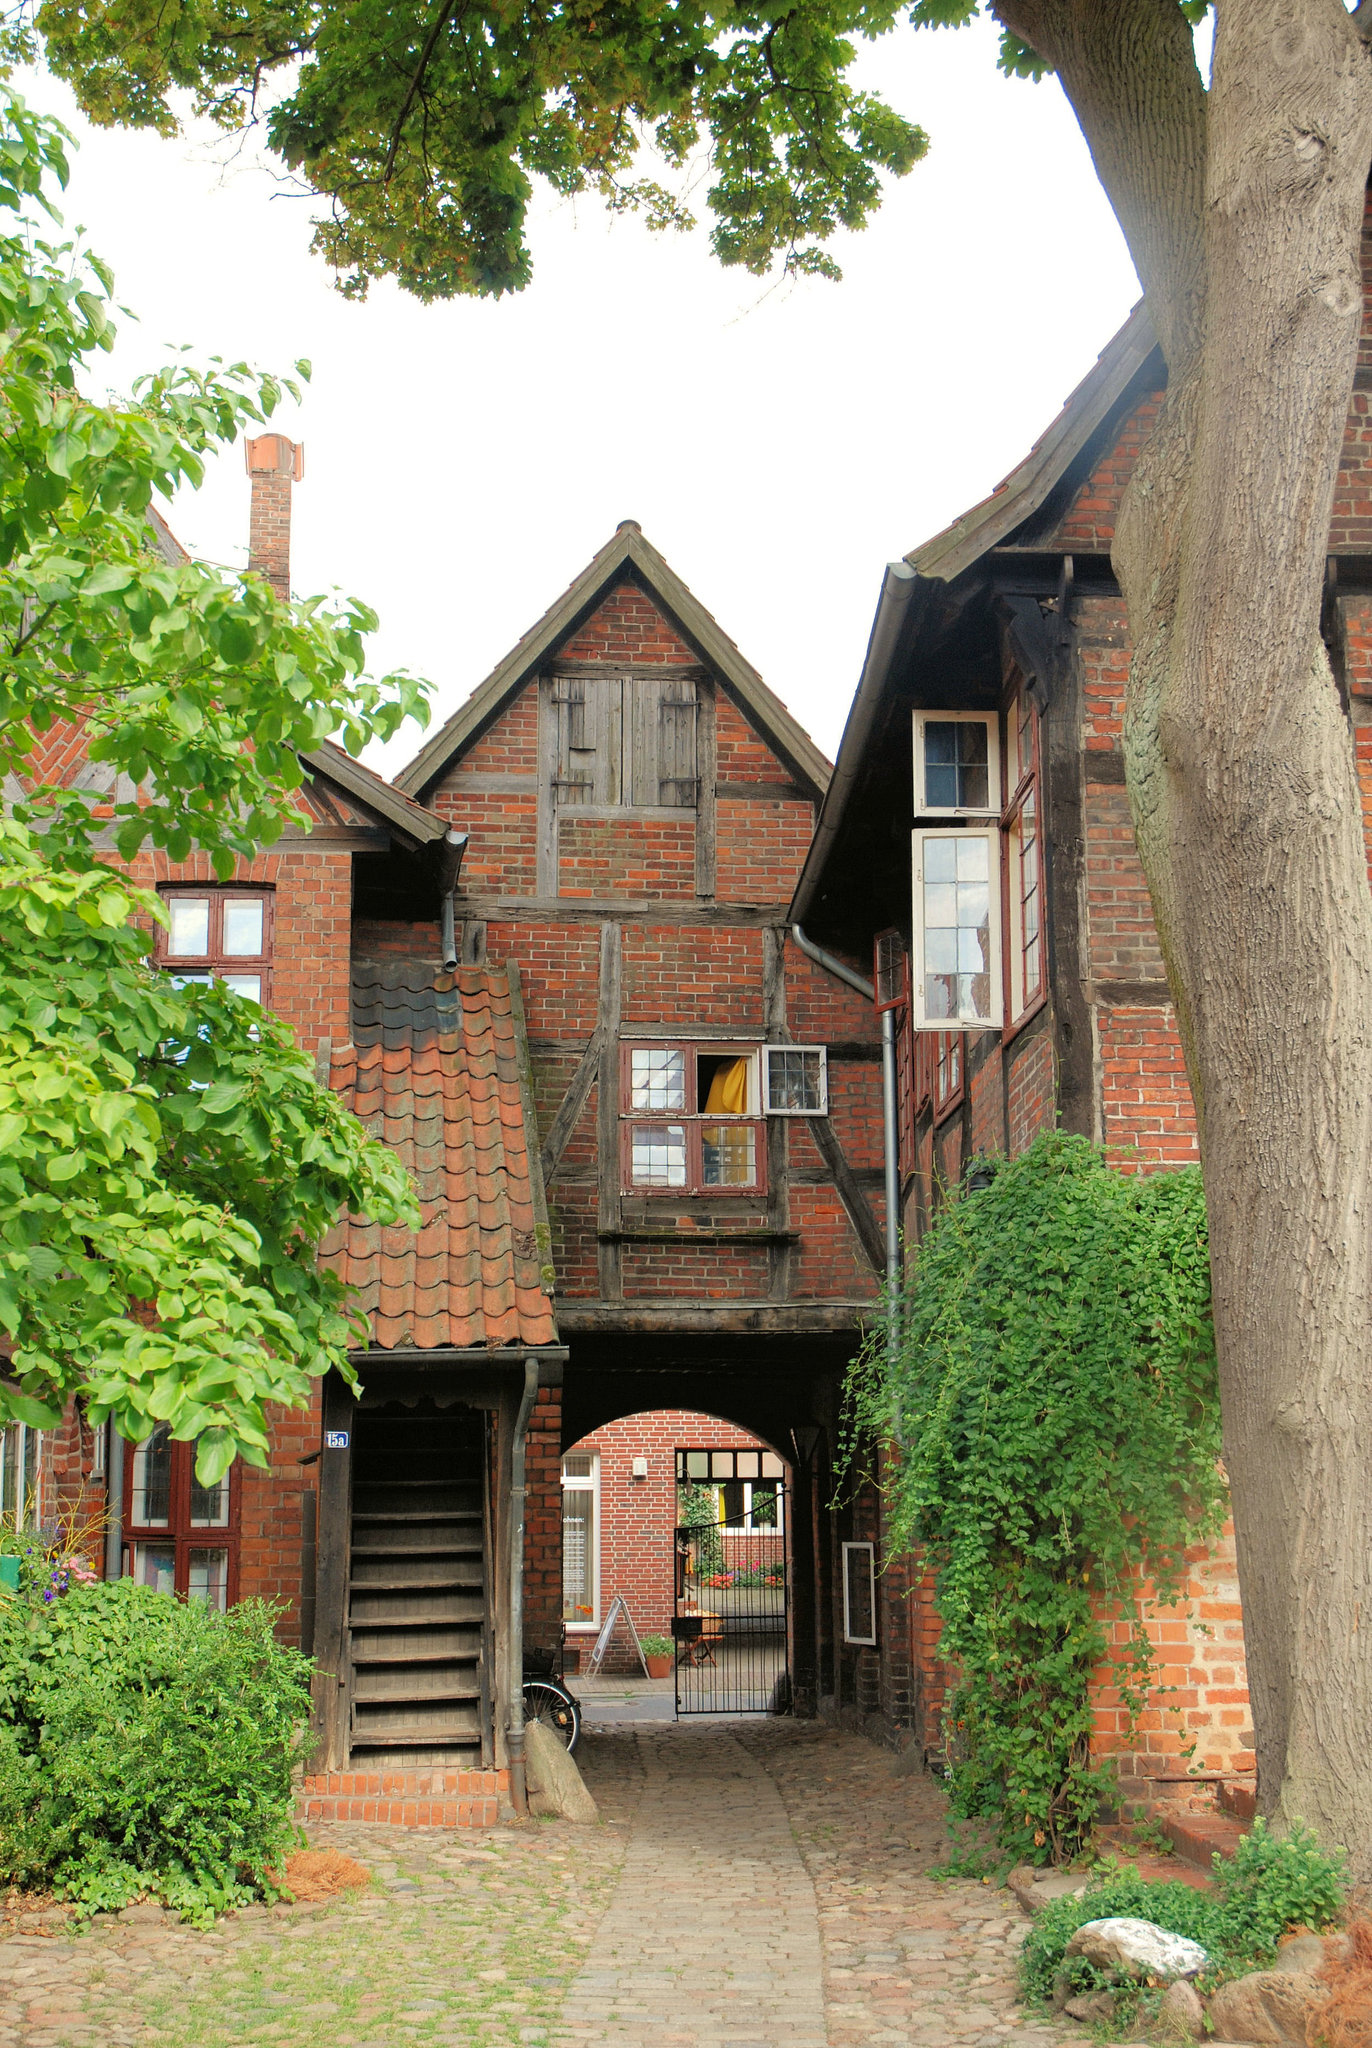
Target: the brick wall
(627, 626)
(638, 1517)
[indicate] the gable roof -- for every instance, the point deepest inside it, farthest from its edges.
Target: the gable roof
(625, 553)
(910, 586)
(438, 1068)
(413, 822)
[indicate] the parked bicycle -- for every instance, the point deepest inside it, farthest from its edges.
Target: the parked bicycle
(546, 1698)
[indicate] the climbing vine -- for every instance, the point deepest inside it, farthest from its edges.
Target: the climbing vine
(1046, 1427)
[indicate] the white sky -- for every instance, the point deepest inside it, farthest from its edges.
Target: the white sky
(778, 444)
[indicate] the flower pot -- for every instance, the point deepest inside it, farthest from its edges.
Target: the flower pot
(659, 1667)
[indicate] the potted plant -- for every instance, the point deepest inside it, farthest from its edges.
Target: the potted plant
(658, 1652)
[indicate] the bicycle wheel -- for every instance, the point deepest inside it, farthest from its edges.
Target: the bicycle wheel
(554, 1709)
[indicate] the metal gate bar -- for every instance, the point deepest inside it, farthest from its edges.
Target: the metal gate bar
(732, 1603)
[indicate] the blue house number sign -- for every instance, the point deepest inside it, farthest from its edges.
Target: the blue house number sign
(335, 1439)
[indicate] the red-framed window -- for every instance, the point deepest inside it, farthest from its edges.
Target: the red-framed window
(690, 1119)
(182, 1537)
(947, 1064)
(219, 934)
(1026, 961)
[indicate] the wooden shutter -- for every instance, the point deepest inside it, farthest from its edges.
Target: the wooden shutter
(662, 742)
(588, 740)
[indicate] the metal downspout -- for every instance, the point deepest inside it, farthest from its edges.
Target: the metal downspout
(114, 1502)
(519, 1795)
(450, 852)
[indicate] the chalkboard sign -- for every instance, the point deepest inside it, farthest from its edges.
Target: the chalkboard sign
(618, 1610)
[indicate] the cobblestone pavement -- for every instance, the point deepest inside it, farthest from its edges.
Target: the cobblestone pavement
(753, 1884)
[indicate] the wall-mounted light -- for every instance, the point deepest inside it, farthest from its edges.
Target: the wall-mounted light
(640, 1468)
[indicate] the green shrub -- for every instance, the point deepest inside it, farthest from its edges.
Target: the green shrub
(1273, 1882)
(657, 1646)
(146, 1747)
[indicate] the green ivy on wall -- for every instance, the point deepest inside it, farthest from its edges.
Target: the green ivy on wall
(1052, 1417)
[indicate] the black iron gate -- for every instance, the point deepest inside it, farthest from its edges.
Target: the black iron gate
(731, 1623)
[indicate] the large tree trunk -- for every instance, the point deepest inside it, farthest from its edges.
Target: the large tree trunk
(1249, 820)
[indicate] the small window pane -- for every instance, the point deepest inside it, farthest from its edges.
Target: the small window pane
(152, 1461)
(578, 1554)
(728, 1155)
(772, 1467)
(698, 1464)
(956, 767)
(154, 1564)
(657, 1078)
(578, 1465)
(190, 926)
(748, 1464)
(243, 916)
(208, 1578)
(659, 1155)
(249, 985)
(209, 1505)
(795, 1080)
(721, 1464)
(957, 927)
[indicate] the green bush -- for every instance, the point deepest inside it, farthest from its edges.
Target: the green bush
(1273, 1882)
(146, 1747)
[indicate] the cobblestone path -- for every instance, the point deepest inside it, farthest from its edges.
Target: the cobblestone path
(753, 1884)
(713, 1933)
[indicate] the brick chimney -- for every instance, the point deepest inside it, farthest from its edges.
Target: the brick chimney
(274, 464)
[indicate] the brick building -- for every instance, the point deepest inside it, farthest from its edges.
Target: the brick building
(551, 966)
(977, 834)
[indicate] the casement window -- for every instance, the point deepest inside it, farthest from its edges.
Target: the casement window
(947, 1071)
(625, 742)
(957, 764)
(581, 1540)
(795, 1080)
(1024, 856)
(219, 935)
(751, 1505)
(693, 1117)
(21, 1476)
(182, 1536)
(956, 972)
(978, 886)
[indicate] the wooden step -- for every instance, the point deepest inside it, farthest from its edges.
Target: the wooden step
(371, 1657)
(423, 1515)
(453, 1546)
(422, 1737)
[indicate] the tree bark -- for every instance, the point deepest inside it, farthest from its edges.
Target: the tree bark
(1248, 813)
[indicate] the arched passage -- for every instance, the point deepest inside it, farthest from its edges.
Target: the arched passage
(623, 1501)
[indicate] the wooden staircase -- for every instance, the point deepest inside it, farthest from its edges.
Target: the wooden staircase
(418, 1631)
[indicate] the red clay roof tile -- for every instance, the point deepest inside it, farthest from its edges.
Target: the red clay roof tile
(435, 1068)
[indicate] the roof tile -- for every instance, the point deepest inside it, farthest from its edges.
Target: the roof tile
(435, 1064)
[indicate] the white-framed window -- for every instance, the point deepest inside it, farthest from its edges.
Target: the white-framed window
(21, 1476)
(795, 1080)
(690, 1120)
(957, 764)
(754, 1505)
(581, 1540)
(957, 964)
(859, 1593)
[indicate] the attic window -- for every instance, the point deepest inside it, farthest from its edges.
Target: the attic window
(625, 742)
(957, 764)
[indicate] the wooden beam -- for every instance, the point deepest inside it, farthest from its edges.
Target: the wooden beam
(579, 1317)
(779, 1259)
(856, 1205)
(552, 909)
(330, 1683)
(608, 1216)
(572, 1104)
(763, 793)
(706, 769)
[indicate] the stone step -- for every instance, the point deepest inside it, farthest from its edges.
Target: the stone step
(402, 1813)
(1196, 1837)
(425, 1781)
(1239, 1797)
(424, 1798)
